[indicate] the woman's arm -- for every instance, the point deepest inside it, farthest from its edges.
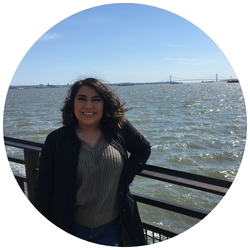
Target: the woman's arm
(45, 183)
(139, 149)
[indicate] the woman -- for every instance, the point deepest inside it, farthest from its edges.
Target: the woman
(85, 171)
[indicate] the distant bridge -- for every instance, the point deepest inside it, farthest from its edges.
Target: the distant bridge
(214, 78)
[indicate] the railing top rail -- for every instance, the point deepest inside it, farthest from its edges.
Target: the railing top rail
(29, 145)
(190, 176)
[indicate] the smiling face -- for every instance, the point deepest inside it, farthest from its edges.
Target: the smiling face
(88, 107)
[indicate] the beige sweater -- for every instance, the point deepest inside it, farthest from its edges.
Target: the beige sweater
(98, 174)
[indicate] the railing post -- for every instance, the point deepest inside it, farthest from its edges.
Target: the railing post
(31, 164)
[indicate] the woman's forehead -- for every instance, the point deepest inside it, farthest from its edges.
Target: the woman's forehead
(88, 91)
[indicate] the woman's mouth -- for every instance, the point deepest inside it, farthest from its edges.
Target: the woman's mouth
(88, 113)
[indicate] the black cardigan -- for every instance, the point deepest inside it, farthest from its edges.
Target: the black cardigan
(56, 184)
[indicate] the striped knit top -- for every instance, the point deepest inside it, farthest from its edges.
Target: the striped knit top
(98, 175)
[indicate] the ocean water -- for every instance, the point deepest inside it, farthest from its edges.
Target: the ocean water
(198, 128)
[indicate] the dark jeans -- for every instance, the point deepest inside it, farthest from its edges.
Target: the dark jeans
(108, 234)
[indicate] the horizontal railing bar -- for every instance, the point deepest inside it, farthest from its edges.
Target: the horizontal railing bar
(159, 229)
(20, 176)
(20, 161)
(16, 159)
(18, 143)
(190, 176)
(192, 212)
(185, 182)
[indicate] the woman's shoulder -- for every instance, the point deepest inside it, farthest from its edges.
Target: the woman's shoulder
(128, 131)
(56, 136)
(127, 126)
(59, 132)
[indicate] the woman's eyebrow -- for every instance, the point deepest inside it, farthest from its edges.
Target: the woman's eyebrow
(96, 96)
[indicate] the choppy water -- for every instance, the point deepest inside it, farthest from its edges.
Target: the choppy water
(197, 128)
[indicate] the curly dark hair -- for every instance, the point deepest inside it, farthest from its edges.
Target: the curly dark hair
(113, 113)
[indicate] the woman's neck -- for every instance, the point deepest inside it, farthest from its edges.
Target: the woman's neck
(87, 129)
(89, 134)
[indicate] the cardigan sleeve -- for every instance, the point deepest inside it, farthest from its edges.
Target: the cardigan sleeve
(45, 183)
(139, 149)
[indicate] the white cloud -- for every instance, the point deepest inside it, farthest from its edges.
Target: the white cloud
(47, 36)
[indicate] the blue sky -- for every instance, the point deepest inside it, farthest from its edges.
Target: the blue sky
(122, 43)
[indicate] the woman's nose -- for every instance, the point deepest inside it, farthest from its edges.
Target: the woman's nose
(88, 104)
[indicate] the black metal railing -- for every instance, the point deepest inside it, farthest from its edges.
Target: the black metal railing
(153, 232)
